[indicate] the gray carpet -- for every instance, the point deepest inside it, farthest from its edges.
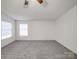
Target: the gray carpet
(41, 49)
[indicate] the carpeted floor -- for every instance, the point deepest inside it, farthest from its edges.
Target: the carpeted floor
(32, 49)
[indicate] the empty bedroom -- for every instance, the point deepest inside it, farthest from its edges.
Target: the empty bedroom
(38, 29)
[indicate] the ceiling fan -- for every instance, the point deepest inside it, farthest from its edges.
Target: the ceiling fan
(42, 2)
(26, 3)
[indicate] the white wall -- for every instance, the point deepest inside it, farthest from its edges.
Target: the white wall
(7, 41)
(66, 32)
(38, 30)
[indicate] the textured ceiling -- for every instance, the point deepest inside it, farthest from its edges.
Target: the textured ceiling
(35, 11)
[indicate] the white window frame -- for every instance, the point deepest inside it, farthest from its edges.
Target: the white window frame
(6, 35)
(22, 32)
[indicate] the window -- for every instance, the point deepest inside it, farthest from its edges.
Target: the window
(6, 28)
(23, 29)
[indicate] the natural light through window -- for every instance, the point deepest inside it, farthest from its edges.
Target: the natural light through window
(23, 29)
(6, 29)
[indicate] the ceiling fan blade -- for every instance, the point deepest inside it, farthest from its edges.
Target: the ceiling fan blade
(40, 1)
(26, 3)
